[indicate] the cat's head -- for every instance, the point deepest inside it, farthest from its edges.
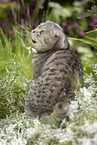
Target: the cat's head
(47, 36)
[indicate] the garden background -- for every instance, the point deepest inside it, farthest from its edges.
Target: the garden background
(78, 19)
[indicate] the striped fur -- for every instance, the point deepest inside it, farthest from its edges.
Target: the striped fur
(57, 73)
(53, 73)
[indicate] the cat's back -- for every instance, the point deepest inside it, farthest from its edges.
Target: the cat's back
(63, 61)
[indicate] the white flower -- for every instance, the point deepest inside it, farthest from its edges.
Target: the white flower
(2, 142)
(36, 121)
(86, 92)
(73, 105)
(30, 132)
(29, 48)
(95, 138)
(18, 141)
(91, 128)
(34, 50)
(85, 141)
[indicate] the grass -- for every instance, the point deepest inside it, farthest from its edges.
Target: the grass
(15, 73)
(15, 126)
(20, 129)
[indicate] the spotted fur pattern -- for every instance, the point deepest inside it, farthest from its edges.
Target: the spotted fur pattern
(57, 73)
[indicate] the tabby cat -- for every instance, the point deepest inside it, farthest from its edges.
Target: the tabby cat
(57, 70)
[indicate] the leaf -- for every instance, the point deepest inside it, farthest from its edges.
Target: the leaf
(85, 40)
(83, 15)
(58, 11)
(6, 6)
(91, 12)
(89, 38)
(92, 34)
(66, 143)
(55, 5)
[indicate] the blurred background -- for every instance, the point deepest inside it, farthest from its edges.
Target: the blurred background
(33, 12)
(76, 17)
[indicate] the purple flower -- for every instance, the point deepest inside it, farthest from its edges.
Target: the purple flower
(93, 22)
(24, 25)
(82, 33)
(11, 15)
(1, 24)
(83, 12)
(10, 32)
(4, 24)
(71, 22)
(68, 29)
(34, 2)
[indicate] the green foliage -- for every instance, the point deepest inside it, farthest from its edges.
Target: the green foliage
(13, 88)
(15, 73)
(89, 38)
(58, 11)
(80, 129)
(92, 12)
(6, 8)
(66, 143)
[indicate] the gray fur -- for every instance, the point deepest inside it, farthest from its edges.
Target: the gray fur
(57, 73)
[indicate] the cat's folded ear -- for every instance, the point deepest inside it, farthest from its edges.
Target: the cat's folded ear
(61, 38)
(56, 35)
(64, 42)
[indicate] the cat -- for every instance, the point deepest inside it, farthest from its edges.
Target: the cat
(57, 70)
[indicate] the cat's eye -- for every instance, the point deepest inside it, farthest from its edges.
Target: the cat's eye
(56, 36)
(41, 32)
